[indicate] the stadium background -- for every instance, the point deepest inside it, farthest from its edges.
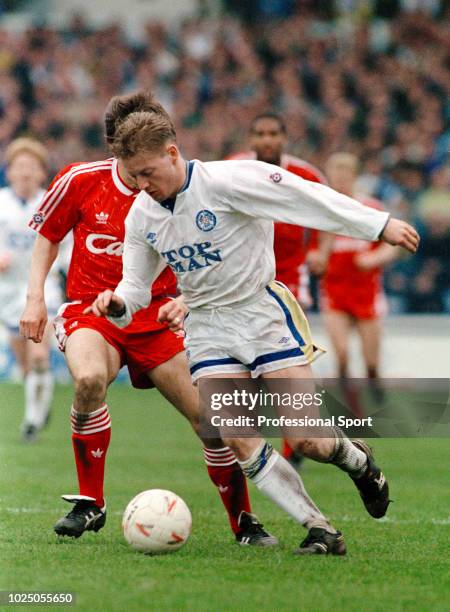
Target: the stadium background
(367, 76)
(370, 77)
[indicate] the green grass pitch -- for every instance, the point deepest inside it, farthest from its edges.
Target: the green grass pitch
(400, 563)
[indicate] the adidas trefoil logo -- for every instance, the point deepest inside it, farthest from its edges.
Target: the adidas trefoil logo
(222, 489)
(97, 453)
(102, 217)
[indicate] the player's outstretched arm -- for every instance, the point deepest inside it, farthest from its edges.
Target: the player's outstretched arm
(399, 233)
(265, 191)
(34, 317)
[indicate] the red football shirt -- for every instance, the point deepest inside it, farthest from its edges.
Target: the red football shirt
(92, 200)
(291, 242)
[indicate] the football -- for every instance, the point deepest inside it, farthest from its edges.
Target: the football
(156, 522)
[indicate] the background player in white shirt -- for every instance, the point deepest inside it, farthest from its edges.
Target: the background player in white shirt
(212, 223)
(26, 171)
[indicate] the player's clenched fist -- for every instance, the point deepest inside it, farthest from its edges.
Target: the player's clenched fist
(107, 303)
(34, 320)
(400, 233)
(173, 312)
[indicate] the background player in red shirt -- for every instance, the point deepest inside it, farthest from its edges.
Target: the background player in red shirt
(296, 248)
(93, 199)
(351, 290)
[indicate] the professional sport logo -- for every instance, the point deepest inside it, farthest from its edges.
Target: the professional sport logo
(151, 237)
(206, 220)
(276, 177)
(38, 217)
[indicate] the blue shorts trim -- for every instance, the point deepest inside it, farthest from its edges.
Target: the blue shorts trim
(213, 362)
(278, 356)
(261, 360)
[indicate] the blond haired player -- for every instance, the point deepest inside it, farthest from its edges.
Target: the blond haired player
(93, 199)
(26, 161)
(213, 224)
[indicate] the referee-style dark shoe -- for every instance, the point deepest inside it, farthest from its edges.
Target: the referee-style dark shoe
(251, 532)
(372, 485)
(85, 516)
(322, 542)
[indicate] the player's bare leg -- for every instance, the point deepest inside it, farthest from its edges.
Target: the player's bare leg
(339, 326)
(93, 364)
(34, 362)
(355, 458)
(173, 380)
(370, 333)
(280, 482)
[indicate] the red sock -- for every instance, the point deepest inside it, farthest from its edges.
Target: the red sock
(226, 474)
(90, 438)
(286, 450)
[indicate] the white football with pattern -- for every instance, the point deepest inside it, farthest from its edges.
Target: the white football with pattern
(156, 521)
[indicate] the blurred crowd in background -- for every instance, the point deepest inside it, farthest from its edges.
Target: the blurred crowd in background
(371, 78)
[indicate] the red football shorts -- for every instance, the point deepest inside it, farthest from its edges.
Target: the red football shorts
(142, 345)
(360, 303)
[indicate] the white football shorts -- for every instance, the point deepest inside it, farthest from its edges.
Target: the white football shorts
(265, 334)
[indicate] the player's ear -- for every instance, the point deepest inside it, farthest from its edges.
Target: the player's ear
(173, 153)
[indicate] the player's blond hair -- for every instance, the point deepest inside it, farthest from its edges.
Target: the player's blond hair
(143, 132)
(27, 145)
(343, 159)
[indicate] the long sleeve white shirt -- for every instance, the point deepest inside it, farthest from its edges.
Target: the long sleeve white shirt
(218, 239)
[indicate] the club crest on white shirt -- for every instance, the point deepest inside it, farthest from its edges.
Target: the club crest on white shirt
(206, 220)
(276, 177)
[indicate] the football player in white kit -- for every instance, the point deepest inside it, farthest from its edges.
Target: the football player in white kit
(26, 161)
(213, 224)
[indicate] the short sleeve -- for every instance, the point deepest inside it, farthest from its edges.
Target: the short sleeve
(59, 209)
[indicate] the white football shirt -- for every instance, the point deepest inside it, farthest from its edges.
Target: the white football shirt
(17, 241)
(218, 239)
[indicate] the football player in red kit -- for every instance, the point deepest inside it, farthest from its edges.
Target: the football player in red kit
(93, 200)
(294, 246)
(351, 289)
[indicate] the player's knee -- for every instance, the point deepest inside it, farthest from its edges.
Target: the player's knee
(90, 388)
(39, 363)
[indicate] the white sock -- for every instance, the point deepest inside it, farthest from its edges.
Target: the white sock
(347, 456)
(38, 397)
(32, 411)
(279, 481)
(46, 385)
